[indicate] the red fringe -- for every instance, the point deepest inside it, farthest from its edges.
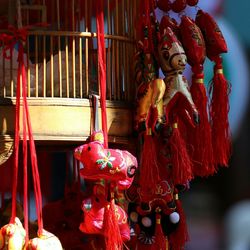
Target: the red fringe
(181, 162)
(113, 237)
(219, 117)
(160, 238)
(149, 172)
(179, 237)
(201, 137)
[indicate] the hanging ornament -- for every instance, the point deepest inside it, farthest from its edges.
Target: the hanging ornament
(164, 5)
(216, 45)
(177, 102)
(173, 60)
(45, 240)
(114, 165)
(192, 2)
(12, 236)
(94, 213)
(150, 88)
(178, 5)
(19, 37)
(200, 138)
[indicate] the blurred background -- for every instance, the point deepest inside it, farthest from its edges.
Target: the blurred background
(218, 208)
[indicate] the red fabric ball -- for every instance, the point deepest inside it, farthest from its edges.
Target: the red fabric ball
(192, 2)
(178, 5)
(163, 5)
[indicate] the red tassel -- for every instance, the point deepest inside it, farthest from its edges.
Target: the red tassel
(219, 116)
(200, 138)
(179, 237)
(160, 238)
(149, 172)
(181, 163)
(113, 237)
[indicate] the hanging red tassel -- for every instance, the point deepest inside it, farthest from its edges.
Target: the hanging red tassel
(149, 172)
(113, 237)
(216, 45)
(179, 237)
(181, 163)
(160, 239)
(219, 116)
(201, 138)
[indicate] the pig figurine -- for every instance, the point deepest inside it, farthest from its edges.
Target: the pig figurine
(109, 164)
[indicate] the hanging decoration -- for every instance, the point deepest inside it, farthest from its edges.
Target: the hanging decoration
(184, 146)
(13, 235)
(220, 88)
(116, 168)
(200, 137)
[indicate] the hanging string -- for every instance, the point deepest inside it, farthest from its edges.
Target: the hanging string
(34, 165)
(16, 149)
(25, 174)
(102, 66)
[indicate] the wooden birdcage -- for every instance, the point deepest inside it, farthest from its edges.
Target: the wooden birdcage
(61, 60)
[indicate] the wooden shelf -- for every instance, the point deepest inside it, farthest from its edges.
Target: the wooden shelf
(66, 120)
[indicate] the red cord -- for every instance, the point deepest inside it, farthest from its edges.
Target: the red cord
(34, 165)
(102, 66)
(16, 149)
(25, 154)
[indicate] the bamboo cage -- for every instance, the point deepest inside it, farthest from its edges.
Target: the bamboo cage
(61, 59)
